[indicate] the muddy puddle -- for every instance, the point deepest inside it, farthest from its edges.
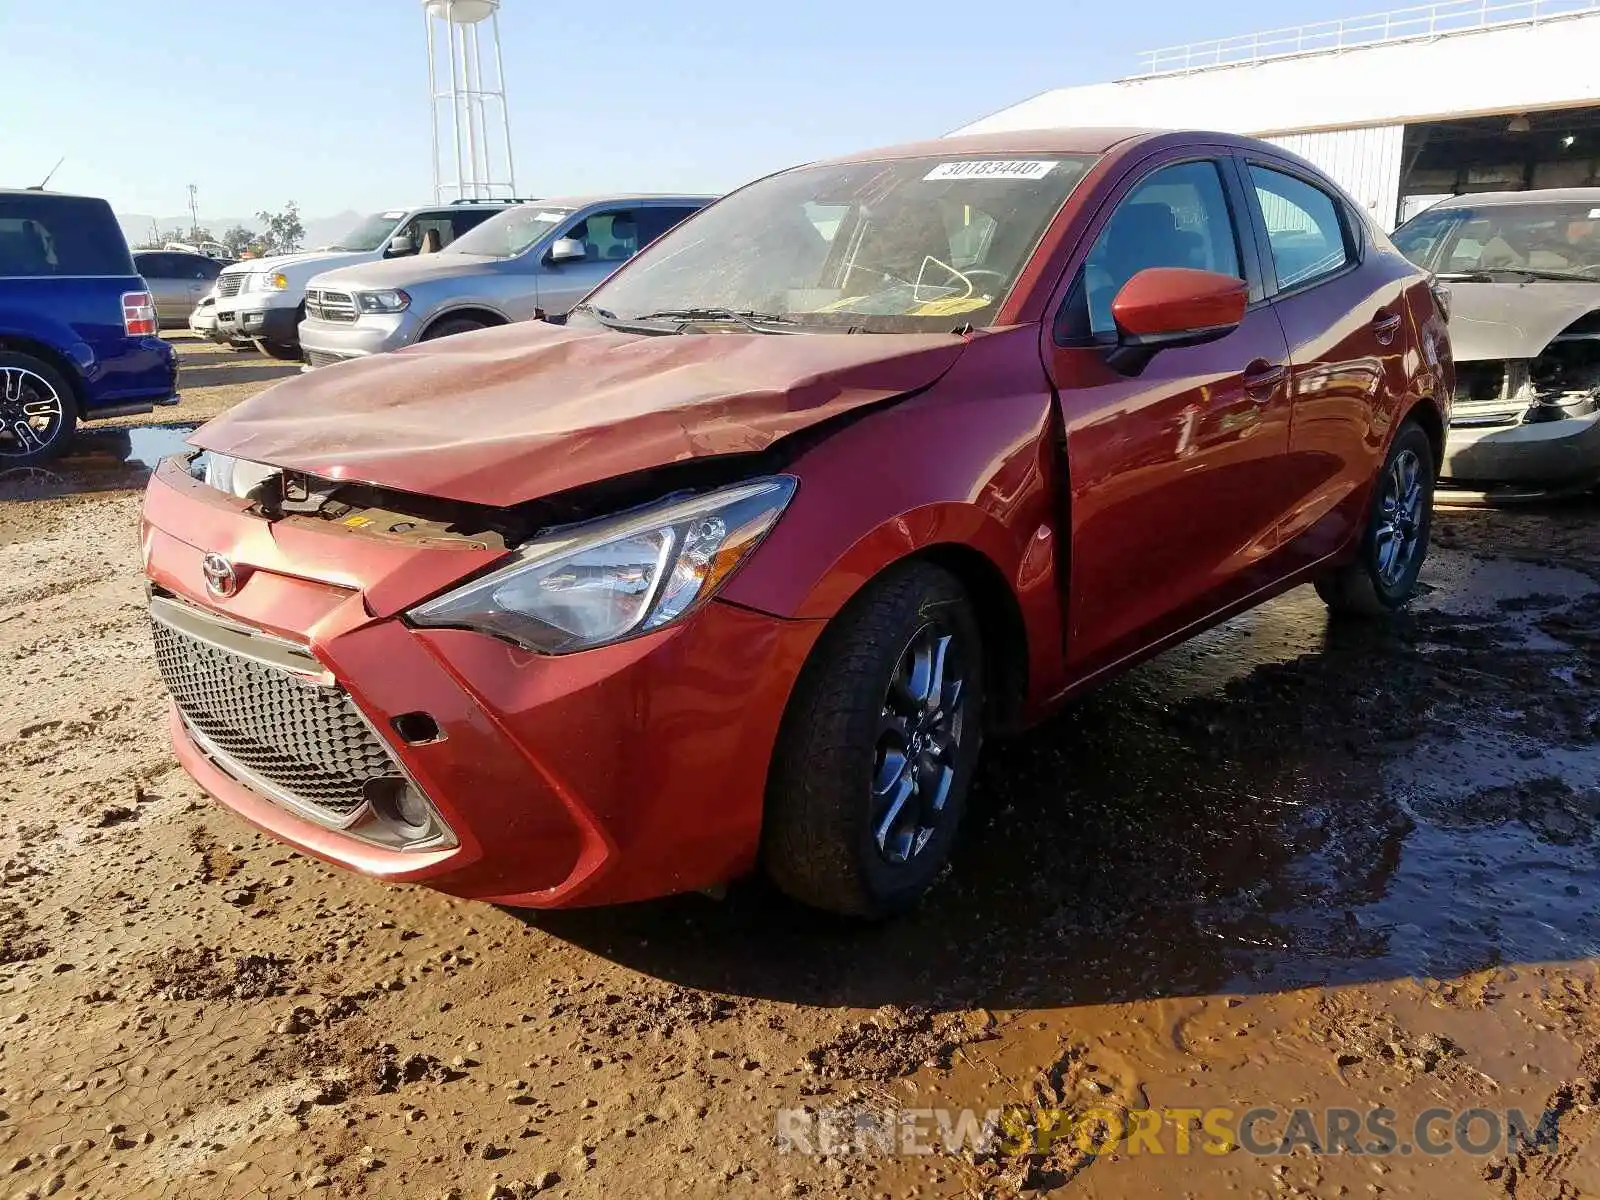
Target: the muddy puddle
(101, 459)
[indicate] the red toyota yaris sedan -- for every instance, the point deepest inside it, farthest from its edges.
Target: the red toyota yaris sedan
(739, 566)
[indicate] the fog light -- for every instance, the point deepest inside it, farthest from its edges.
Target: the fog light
(400, 804)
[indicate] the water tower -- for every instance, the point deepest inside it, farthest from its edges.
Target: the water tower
(471, 126)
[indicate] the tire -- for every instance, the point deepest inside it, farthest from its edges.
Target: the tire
(825, 809)
(281, 353)
(449, 327)
(1374, 585)
(31, 390)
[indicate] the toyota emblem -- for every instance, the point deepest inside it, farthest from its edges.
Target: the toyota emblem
(221, 578)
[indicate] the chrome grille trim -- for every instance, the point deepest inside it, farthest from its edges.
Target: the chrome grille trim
(229, 284)
(327, 305)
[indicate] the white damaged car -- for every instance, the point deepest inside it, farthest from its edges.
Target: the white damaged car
(1523, 272)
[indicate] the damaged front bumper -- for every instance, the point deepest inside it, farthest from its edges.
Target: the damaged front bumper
(1519, 423)
(305, 701)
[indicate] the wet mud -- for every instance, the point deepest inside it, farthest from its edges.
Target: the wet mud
(1293, 864)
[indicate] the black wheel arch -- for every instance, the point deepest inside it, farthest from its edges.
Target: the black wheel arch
(466, 313)
(45, 353)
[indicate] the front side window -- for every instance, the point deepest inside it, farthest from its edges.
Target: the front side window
(429, 232)
(1177, 217)
(1303, 227)
(60, 235)
(607, 236)
(512, 232)
(1548, 239)
(902, 245)
(370, 233)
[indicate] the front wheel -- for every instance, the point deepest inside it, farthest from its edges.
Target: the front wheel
(877, 748)
(450, 327)
(1384, 574)
(38, 412)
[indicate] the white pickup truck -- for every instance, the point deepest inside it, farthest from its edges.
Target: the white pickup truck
(262, 301)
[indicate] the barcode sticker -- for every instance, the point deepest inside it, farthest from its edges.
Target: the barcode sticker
(993, 168)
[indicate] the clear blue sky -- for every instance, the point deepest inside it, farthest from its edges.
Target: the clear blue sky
(325, 101)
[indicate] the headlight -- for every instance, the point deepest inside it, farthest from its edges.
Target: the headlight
(234, 476)
(605, 580)
(391, 301)
(272, 281)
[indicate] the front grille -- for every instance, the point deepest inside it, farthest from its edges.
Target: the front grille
(321, 358)
(330, 306)
(304, 739)
(229, 284)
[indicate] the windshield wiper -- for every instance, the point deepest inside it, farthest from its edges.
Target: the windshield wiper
(749, 318)
(1495, 274)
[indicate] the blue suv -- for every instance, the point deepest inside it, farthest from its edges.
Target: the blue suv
(78, 330)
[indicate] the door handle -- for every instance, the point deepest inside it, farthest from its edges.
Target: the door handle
(1385, 325)
(1261, 379)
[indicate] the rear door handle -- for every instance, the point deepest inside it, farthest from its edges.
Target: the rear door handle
(1385, 325)
(1262, 378)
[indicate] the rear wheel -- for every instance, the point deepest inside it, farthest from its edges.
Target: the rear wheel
(38, 412)
(877, 748)
(451, 326)
(1384, 574)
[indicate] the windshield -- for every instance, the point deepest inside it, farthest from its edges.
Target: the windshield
(1558, 239)
(370, 234)
(510, 233)
(907, 245)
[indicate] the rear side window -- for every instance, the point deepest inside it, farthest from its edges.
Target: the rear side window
(60, 236)
(655, 221)
(471, 217)
(1303, 226)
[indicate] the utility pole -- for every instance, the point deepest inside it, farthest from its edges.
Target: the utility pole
(194, 213)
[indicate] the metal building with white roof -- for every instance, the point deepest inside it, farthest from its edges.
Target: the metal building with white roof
(1401, 108)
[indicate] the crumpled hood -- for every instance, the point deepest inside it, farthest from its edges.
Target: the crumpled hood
(402, 272)
(1514, 320)
(510, 414)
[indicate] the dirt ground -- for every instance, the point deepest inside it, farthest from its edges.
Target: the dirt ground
(1292, 864)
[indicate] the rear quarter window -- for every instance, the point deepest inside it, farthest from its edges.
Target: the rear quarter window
(44, 236)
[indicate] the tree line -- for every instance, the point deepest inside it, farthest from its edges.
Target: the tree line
(280, 233)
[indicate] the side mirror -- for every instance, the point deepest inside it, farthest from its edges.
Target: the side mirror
(566, 250)
(1164, 307)
(400, 247)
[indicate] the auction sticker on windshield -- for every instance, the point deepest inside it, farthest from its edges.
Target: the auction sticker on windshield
(990, 168)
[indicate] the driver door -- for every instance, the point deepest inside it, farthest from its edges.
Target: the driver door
(1177, 474)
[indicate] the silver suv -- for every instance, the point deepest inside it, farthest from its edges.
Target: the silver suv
(535, 260)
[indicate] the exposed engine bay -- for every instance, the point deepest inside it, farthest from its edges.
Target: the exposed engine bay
(1561, 382)
(367, 510)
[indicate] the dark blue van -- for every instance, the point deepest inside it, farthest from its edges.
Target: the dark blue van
(78, 332)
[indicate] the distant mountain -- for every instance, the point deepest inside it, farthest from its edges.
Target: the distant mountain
(320, 231)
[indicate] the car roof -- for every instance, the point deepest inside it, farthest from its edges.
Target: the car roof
(51, 195)
(1567, 195)
(1068, 140)
(616, 198)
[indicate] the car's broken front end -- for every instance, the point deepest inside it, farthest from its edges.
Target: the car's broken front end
(1531, 422)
